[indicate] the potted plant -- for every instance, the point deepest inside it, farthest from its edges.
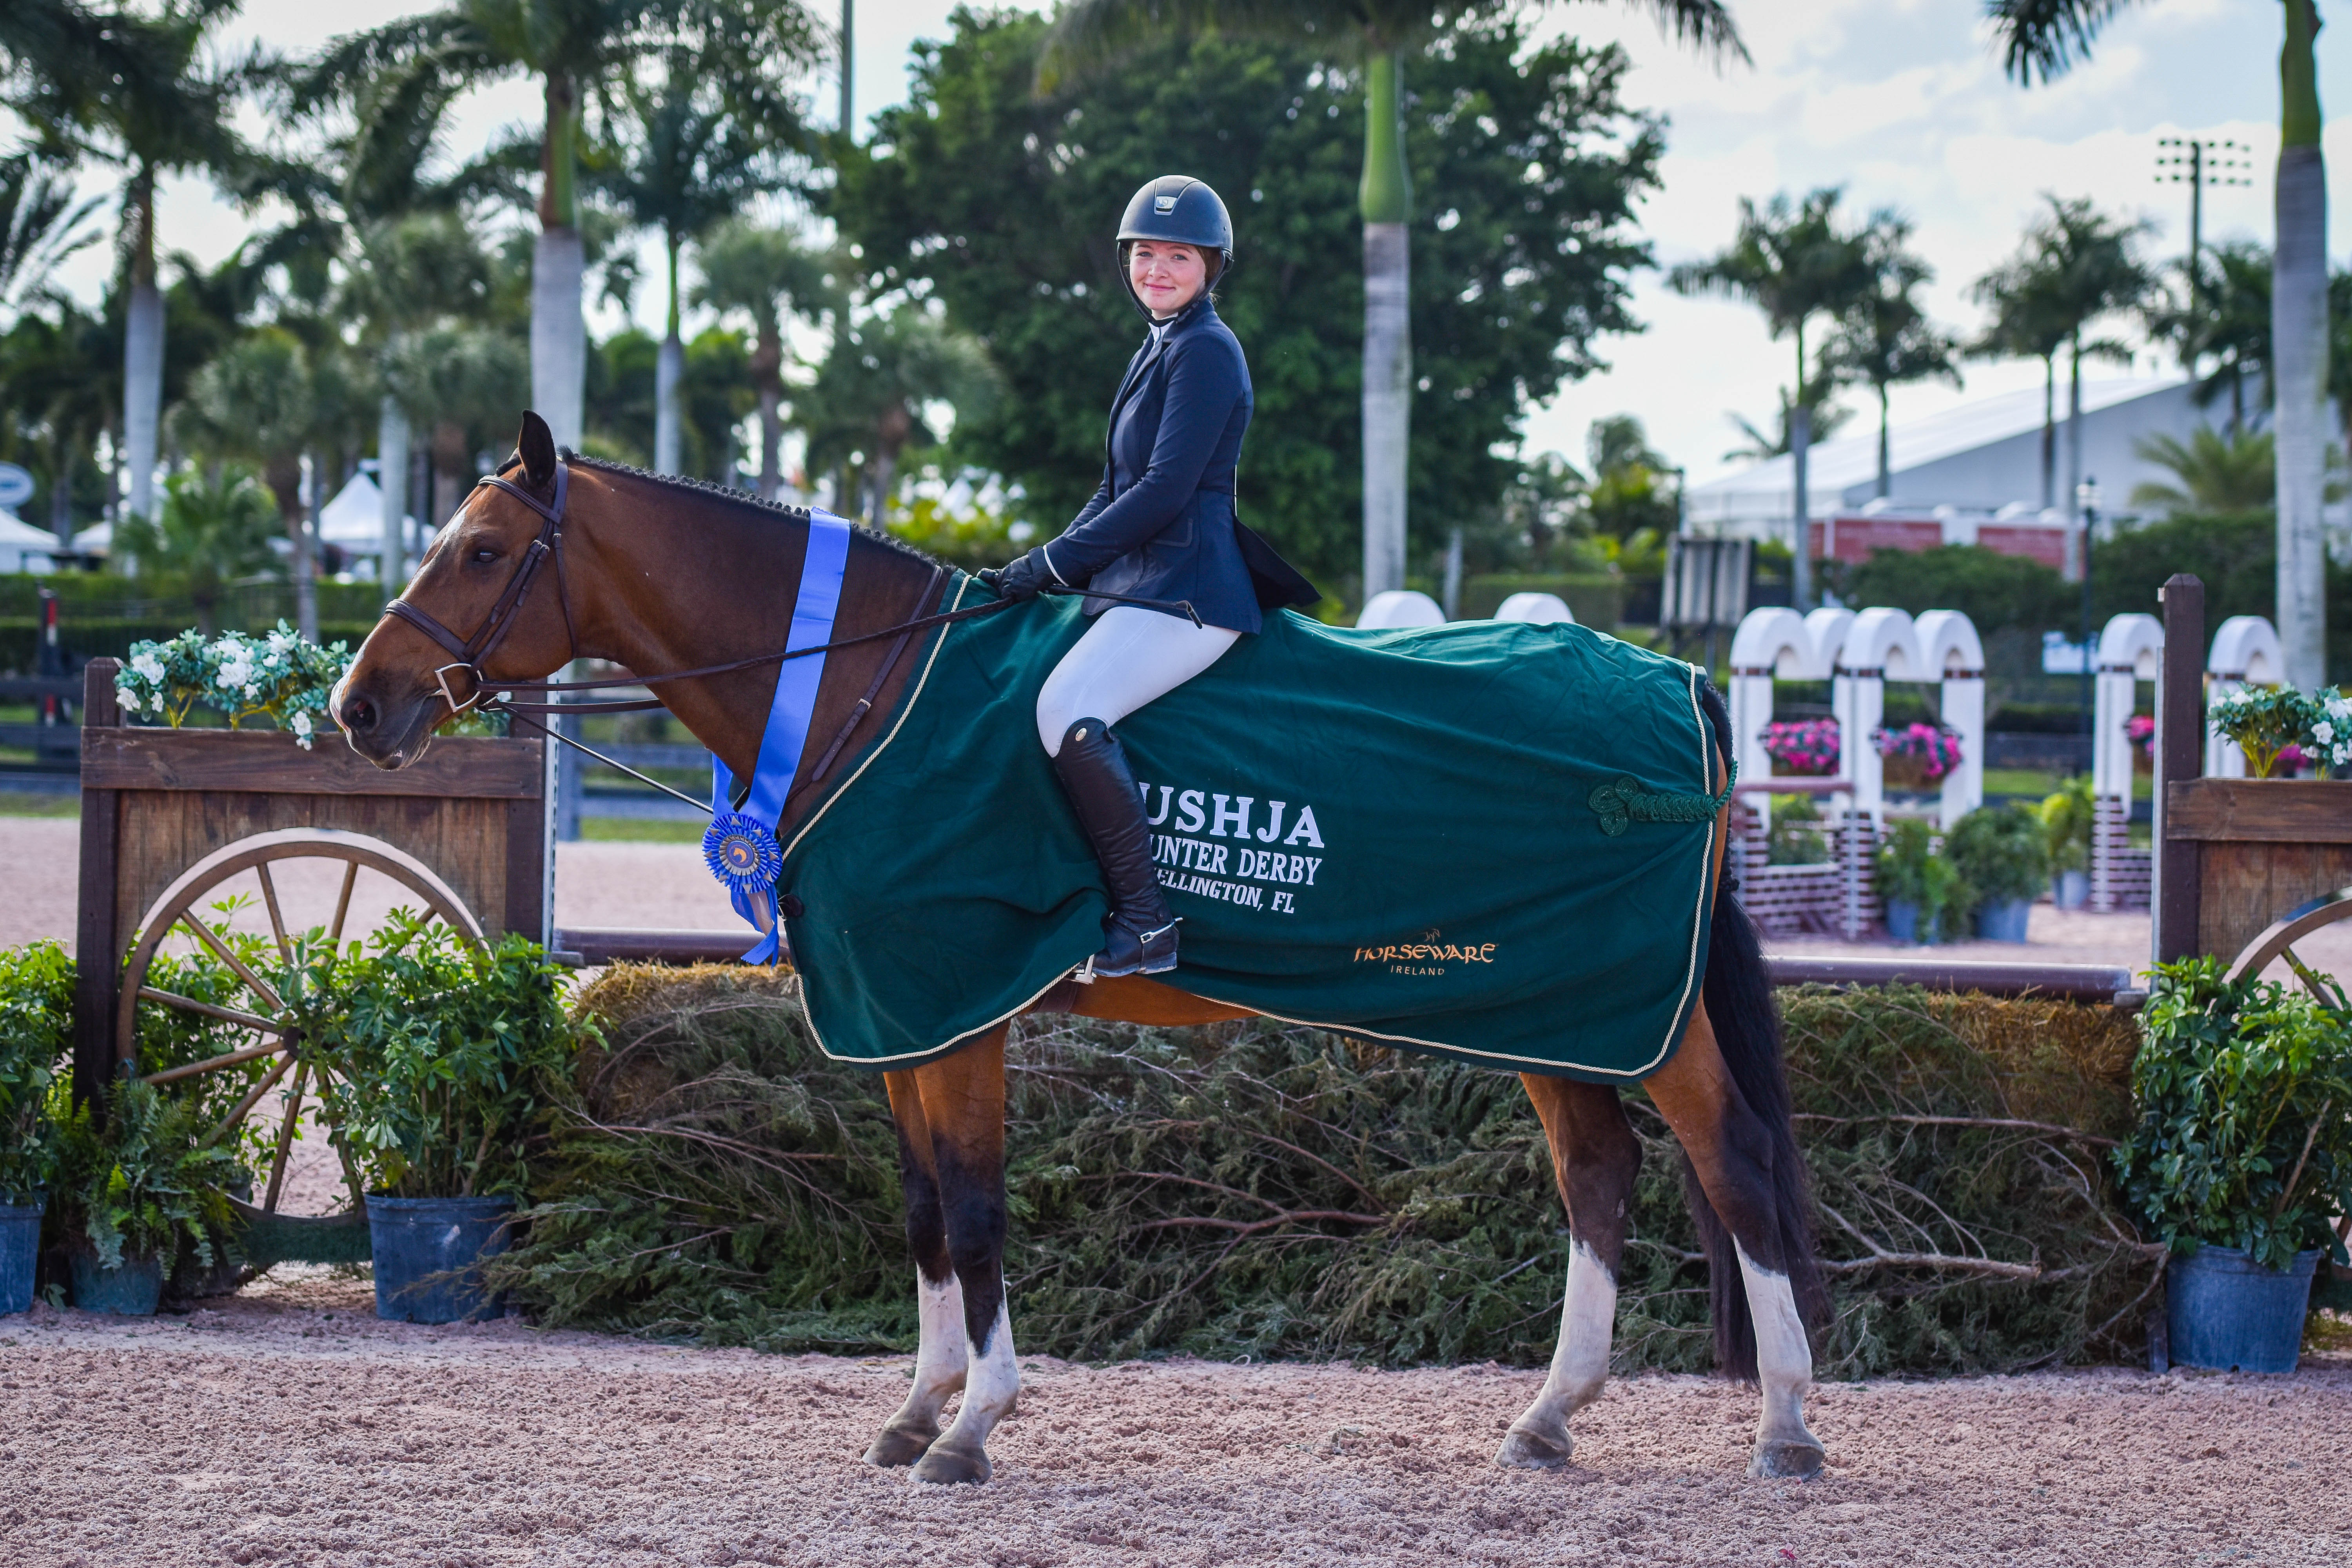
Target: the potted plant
(2002, 854)
(1917, 755)
(441, 1059)
(1796, 838)
(2243, 1155)
(2066, 819)
(133, 1188)
(36, 1026)
(1920, 888)
(276, 676)
(1802, 747)
(2326, 737)
(2265, 722)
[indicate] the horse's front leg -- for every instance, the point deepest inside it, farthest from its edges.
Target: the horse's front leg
(1595, 1158)
(963, 1111)
(940, 1360)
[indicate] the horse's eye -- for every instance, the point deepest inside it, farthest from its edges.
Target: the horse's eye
(486, 555)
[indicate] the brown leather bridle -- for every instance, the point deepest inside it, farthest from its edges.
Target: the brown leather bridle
(469, 652)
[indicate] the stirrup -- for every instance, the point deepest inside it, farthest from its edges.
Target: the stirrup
(1127, 951)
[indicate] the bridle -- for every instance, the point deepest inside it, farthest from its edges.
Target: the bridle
(469, 652)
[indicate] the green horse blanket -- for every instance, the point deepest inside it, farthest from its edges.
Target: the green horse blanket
(1487, 840)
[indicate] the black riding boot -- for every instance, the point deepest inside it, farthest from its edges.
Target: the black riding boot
(1139, 932)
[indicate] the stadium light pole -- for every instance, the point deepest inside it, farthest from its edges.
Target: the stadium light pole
(2197, 163)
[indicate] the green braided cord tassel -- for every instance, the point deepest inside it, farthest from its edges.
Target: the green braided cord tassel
(1625, 801)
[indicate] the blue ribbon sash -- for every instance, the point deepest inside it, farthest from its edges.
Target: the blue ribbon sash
(740, 845)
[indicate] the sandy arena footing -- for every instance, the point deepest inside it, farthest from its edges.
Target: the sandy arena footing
(286, 1425)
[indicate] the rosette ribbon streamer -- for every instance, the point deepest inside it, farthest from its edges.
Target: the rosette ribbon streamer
(740, 844)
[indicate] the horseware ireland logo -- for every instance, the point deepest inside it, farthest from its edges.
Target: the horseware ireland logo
(1430, 955)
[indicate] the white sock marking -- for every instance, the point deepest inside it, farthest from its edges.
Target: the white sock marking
(1580, 1363)
(1784, 1362)
(939, 1358)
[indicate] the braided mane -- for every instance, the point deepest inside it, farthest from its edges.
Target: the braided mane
(743, 498)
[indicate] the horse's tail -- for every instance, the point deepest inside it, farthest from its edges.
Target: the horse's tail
(1738, 997)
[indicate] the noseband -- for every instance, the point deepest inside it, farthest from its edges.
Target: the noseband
(469, 652)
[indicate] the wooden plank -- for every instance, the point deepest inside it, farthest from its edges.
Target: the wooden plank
(268, 762)
(98, 972)
(2246, 886)
(2179, 758)
(2259, 810)
(526, 908)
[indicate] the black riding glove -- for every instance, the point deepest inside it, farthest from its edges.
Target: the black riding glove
(1024, 578)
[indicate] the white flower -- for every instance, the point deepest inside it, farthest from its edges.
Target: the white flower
(302, 721)
(252, 693)
(234, 674)
(129, 698)
(148, 667)
(2325, 730)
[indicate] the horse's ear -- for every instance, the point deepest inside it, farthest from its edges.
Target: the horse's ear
(536, 446)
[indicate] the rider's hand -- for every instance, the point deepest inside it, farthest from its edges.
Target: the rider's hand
(1024, 578)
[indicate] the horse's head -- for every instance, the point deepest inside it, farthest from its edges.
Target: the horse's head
(408, 679)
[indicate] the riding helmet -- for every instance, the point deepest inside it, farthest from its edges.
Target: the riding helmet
(1184, 211)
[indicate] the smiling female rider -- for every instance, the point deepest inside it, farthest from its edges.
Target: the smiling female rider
(1160, 526)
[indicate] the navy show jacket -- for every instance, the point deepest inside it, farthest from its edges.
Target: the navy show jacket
(1161, 525)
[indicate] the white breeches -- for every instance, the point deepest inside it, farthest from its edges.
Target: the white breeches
(1128, 657)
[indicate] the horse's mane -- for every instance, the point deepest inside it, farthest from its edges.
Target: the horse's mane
(744, 498)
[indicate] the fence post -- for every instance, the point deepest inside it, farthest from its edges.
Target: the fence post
(97, 961)
(2180, 755)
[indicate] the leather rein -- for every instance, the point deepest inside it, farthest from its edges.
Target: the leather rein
(467, 653)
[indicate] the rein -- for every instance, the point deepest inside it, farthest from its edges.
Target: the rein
(469, 652)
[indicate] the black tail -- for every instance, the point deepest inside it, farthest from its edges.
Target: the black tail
(1738, 997)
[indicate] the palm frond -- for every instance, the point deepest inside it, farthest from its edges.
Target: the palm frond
(2047, 36)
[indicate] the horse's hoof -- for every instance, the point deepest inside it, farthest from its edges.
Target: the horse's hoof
(1526, 1451)
(1778, 1459)
(898, 1446)
(946, 1464)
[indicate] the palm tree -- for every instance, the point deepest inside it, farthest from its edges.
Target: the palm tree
(703, 144)
(1375, 37)
(405, 76)
(2227, 318)
(212, 530)
(462, 384)
(134, 90)
(1884, 338)
(40, 226)
(769, 275)
(2047, 37)
(1823, 420)
(870, 394)
(2216, 473)
(1792, 261)
(2026, 324)
(271, 399)
(406, 274)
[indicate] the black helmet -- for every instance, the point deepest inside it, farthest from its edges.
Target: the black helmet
(1183, 211)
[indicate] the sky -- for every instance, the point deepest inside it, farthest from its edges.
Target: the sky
(1901, 102)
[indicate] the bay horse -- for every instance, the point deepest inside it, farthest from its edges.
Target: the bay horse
(666, 574)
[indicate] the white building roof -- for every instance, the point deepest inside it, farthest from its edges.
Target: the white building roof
(1982, 456)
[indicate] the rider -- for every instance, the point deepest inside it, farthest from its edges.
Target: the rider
(1160, 526)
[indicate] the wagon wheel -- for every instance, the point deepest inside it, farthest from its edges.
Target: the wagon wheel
(265, 1022)
(2279, 940)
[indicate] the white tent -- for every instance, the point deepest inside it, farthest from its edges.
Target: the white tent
(24, 548)
(98, 538)
(354, 517)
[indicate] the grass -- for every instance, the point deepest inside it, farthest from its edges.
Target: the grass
(635, 831)
(20, 803)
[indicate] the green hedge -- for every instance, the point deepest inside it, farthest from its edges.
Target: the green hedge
(716, 1179)
(97, 637)
(1595, 599)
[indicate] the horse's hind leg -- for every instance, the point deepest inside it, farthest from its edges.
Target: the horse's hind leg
(1594, 1157)
(1734, 1152)
(964, 1108)
(940, 1360)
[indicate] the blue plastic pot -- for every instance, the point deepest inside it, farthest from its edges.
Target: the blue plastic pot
(425, 1249)
(130, 1292)
(1903, 923)
(2004, 922)
(2070, 890)
(2228, 1312)
(20, 1253)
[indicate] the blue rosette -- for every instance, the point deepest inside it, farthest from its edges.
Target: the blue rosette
(742, 853)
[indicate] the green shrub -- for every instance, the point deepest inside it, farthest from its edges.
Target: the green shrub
(2067, 816)
(1911, 871)
(711, 1177)
(2244, 1136)
(147, 1180)
(441, 1057)
(2002, 852)
(35, 1036)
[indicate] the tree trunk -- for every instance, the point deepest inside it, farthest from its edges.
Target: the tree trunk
(2077, 547)
(885, 469)
(2299, 349)
(142, 349)
(667, 372)
(1885, 469)
(559, 334)
(452, 465)
(1800, 446)
(283, 475)
(2049, 430)
(767, 368)
(61, 493)
(392, 478)
(1386, 196)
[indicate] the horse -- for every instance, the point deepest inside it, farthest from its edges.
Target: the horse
(664, 575)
